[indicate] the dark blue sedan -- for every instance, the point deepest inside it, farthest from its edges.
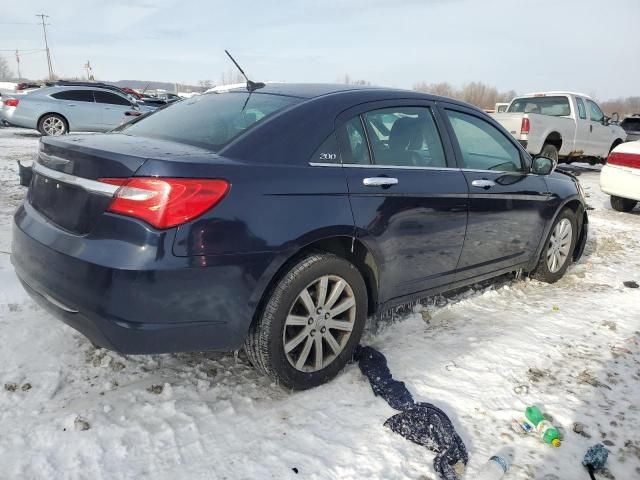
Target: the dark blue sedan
(280, 219)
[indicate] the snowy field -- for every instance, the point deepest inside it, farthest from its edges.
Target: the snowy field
(69, 411)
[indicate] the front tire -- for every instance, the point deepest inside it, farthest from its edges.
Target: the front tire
(311, 323)
(622, 204)
(52, 125)
(558, 248)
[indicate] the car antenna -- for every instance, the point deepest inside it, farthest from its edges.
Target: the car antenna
(251, 86)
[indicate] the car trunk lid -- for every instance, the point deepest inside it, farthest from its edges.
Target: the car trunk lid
(65, 186)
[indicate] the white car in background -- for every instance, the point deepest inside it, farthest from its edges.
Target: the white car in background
(620, 177)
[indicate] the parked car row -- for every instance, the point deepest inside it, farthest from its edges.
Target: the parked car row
(63, 107)
(563, 126)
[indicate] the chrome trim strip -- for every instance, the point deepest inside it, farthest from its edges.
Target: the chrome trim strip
(354, 165)
(91, 186)
(507, 196)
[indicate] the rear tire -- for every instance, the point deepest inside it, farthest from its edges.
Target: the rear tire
(550, 151)
(622, 204)
(558, 245)
(53, 125)
(301, 337)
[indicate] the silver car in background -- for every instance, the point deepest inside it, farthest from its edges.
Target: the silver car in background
(61, 109)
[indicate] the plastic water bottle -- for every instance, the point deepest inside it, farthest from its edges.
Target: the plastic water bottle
(547, 432)
(497, 465)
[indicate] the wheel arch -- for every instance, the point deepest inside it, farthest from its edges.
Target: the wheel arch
(553, 138)
(65, 119)
(575, 204)
(340, 245)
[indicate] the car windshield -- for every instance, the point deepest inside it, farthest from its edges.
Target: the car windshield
(554, 106)
(212, 120)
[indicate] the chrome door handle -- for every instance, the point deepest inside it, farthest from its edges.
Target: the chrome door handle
(379, 182)
(486, 184)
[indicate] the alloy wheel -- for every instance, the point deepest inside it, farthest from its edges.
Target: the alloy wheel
(53, 126)
(559, 245)
(319, 323)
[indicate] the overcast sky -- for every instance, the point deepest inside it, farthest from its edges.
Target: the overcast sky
(584, 45)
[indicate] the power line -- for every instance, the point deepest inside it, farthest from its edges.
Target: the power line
(46, 44)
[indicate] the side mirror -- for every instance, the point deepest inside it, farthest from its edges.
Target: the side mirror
(615, 118)
(542, 166)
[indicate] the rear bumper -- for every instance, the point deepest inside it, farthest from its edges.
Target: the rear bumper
(169, 305)
(620, 181)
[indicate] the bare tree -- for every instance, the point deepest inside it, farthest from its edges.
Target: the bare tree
(348, 81)
(475, 93)
(621, 106)
(5, 71)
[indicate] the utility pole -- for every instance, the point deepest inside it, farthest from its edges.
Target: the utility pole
(87, 67)
(18, 61)
(46, 44)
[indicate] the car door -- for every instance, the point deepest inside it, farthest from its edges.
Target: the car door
(78, 107)
(409, 200)
(600, 134)
(506, 202)
(583, 127)
(112, 108)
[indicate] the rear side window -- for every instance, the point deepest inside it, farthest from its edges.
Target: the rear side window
(483, 146)
(594, 110)
(553, 106)
(212, 120)
(328, 151)
(355, 149)
(581, 110)
(75, 95)
(404, 136)
(110, 98)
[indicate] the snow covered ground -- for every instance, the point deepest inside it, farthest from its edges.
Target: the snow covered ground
(68, 410)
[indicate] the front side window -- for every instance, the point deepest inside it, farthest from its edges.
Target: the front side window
(581, 110)
(483, 146)
(110, 98)
(404, 136)
(212, 120)
(553, 106)
(75, 95)
(595, 112)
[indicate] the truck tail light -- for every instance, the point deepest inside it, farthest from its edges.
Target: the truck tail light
(12, 102)
(165, 202)
(621, 159)
(525, 126)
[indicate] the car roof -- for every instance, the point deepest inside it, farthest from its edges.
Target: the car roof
(310, 91)
(548, 94)
(60, 88)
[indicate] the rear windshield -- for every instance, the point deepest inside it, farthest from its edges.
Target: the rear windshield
(554, 106)
(632, 124)
(210, 121)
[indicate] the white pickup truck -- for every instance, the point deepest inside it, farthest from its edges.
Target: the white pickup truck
(562, 126)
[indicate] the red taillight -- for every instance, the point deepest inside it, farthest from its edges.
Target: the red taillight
(525, 126)
(621, 159)
(12, 102)
(165, 202)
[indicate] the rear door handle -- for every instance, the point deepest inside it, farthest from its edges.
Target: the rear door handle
(379, 182)
(484, 183)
